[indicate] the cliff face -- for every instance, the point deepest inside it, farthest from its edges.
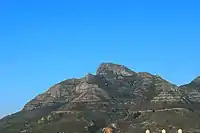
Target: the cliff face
(113, 93)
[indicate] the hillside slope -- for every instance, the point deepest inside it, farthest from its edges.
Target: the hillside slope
(114, 93)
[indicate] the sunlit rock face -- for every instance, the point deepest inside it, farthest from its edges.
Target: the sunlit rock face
(113, 69)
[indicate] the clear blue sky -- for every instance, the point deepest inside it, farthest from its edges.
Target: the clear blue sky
(45, 41)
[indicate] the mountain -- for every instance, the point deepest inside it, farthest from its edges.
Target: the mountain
(136, 100)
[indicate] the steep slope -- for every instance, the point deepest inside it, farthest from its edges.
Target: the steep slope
(113, 93)
(192, 90)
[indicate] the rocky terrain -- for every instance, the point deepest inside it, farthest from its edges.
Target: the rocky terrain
(136, 100)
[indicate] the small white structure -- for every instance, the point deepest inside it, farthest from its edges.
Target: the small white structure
(163, 131)
(180, 131)
(147, 131)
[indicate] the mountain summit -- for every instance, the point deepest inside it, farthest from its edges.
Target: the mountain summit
(114, 68)
(136, 100)
(197, 81)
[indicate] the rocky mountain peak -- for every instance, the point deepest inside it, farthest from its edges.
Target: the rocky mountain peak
(196, 80)
(89, 77)
(105, 68)
(111, 81)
